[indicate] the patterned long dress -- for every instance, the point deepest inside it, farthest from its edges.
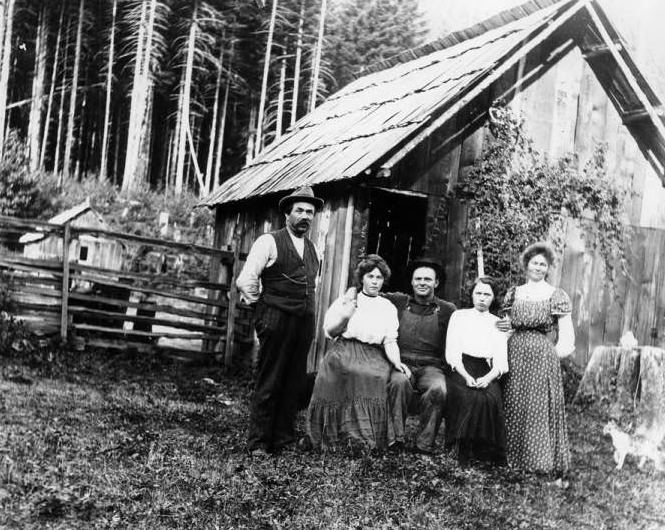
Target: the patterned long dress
(537, 438)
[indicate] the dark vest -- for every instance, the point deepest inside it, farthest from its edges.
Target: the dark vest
(289, 283)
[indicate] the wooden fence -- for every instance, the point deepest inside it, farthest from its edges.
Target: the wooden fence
(175, 298)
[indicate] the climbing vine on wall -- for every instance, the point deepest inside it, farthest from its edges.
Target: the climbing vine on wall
(516, 196)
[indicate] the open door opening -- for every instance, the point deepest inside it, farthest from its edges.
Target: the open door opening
(396, 232)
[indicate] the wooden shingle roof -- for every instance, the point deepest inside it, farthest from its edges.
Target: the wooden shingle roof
(377, 119)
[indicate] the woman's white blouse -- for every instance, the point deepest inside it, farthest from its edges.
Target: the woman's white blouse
(374, 321)
(476, 334)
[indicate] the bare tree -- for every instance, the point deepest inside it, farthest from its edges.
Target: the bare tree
(69, 141)
(258, 142)
(222, 125)
(280, 100)
(317, 57)
(213, 123)
(141, 96)
(183, 111)
(107, 105)
(296, 72)
(54, 78)
(8, 23)
(61, 109)
(36, 101)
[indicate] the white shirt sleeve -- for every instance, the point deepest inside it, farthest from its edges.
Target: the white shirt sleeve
(500, 358)
(392, 323)
(455, 341)
(262, 254)
(566, 342)
(338, 314)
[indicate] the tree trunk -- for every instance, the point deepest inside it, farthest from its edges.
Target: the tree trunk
(630, 381)
(69, 141)
(131, 153)
(222, 128)
(107, 105)
(140, 109)
(61, 109)
(36, 104)
(213, 122)
(264, 83)
(169, 158)
(317, 57)
(184, 126)
(4, 69)
(280, 101)
(296, 73)
(175, 139)
(54, 78)
(251, 136)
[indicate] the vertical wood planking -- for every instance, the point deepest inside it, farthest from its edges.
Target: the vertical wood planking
(233, 300)
(64, 315)
(567, 74)
(457, 221)
(327, 284)
(538, 103)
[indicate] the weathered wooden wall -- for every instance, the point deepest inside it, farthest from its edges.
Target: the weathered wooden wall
(635, 302)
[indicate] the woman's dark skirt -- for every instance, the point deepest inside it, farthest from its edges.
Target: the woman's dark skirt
(350, 399)
(475, 422)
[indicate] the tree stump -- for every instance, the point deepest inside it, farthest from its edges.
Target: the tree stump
(631, 381)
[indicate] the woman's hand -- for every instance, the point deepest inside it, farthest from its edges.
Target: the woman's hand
(401, 367)
(349, 302)
(504, 324)
(470, 381)
(483, 382)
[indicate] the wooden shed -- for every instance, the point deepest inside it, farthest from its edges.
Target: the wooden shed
(96, 251)
(384, 150)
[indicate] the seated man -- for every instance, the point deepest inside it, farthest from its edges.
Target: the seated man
(423, 324)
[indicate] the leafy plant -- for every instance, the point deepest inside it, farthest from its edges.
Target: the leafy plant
(22, 193)
(516, 196)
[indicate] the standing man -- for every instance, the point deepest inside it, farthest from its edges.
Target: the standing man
(279, 280)
(423, 324)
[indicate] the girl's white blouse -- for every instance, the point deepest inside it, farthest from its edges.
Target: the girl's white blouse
(475, 333)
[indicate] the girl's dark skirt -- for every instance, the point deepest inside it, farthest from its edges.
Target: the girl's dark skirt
(475, 422)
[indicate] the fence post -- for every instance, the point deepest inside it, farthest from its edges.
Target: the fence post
(233, 299)
(66, 238)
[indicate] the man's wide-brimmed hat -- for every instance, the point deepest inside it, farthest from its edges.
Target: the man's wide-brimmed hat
(304, 194)
(426, 261)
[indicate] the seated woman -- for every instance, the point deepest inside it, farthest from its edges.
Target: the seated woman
(350, 400)
(477, 352)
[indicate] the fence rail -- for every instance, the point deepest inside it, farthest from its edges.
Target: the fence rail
(116, 290)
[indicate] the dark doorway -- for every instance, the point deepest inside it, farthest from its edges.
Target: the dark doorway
(397, 223)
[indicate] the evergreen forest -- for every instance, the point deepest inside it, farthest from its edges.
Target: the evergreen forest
(177, 95)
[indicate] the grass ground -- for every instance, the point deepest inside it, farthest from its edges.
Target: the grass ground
(118, 444)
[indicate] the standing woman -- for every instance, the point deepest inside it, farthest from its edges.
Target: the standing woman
(350, 397)
(476, 352)
(539, 314)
